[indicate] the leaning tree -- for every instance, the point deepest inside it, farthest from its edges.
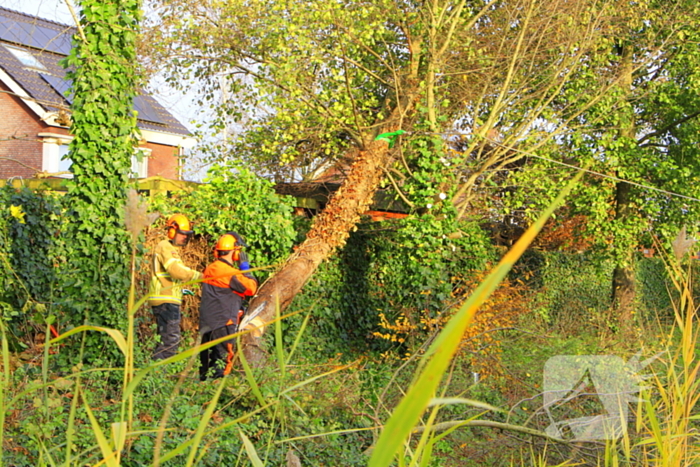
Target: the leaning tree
(379, 87)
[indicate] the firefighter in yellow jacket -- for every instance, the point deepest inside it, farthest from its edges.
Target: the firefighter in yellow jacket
(226, 283)
(165, 292)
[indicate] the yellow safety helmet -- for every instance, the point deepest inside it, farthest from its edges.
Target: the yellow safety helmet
(179, 224)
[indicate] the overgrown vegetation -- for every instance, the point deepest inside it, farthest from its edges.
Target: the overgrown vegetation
(338, 365)
(420, 341)
(102, 69)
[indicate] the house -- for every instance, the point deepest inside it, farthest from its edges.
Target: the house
(35, 120)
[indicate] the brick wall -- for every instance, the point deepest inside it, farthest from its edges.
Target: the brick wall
(20, 148)
(163, 161)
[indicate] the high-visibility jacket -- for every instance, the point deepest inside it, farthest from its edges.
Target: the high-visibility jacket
(223, 289)
(168, 274)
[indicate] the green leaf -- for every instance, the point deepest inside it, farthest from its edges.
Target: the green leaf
(110, 456)
(439, 355)
(116, 336)
(250, 450)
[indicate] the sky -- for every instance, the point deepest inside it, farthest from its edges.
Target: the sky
(54, 10)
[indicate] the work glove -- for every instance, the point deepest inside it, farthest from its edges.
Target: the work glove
(243, 263)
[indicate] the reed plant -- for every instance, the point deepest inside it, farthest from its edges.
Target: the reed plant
(666, 427)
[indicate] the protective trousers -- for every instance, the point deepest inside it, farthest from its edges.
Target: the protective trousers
(217, 361)
(168, 326)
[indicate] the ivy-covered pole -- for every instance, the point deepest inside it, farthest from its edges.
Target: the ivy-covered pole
(102, 68)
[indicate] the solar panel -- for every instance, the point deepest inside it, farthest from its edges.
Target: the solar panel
(146, 111)
(35, 35)
(4, 25)
(60, 85)
(39, 36)
(30, 36)
(49, 39)
(16, 33)
(52, 40)
(61, 43)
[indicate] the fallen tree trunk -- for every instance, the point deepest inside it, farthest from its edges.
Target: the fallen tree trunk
(330, 231)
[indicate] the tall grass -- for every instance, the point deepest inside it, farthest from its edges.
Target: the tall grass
(112, 438)
(113, 442)
(666, 415)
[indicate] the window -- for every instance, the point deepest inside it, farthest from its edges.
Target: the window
(139, 163)
(26, 57)
(56, 148)
(63, 162)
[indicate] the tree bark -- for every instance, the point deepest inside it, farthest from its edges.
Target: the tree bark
(623, 275)
(330, 230)
(624, 289)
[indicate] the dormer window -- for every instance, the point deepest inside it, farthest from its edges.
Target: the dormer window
(25, 57)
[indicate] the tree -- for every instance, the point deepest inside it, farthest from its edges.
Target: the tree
(500, 75)
(643, 137)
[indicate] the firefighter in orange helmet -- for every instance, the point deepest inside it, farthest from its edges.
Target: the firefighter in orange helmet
(226, 283)
(167, 277)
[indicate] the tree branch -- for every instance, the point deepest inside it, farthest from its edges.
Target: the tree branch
(667, 127)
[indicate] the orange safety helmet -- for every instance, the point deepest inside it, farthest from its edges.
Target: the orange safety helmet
(179, 224)
(226, 243)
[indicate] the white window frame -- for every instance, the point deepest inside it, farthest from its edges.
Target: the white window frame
(56, 146)
(139, 169)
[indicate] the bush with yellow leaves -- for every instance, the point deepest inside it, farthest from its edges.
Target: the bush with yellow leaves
(482, 340)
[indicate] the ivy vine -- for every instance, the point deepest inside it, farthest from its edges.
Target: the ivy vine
(103, 74)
